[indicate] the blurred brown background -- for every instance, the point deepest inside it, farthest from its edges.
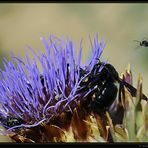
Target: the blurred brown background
(118, 24)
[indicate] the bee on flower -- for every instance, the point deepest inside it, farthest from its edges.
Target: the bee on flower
(62, 98)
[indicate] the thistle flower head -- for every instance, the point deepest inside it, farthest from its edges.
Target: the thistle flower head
(30, 96)
(53, 97)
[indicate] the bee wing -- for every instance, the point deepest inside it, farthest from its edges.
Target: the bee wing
(117, 110)
(132, 89)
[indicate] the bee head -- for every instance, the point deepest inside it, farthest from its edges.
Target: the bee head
(110, 72)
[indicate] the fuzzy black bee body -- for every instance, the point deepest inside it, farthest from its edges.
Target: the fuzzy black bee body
(104, 87)
(104, 98)
(106, 91)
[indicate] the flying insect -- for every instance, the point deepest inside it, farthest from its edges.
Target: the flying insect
(143, 43)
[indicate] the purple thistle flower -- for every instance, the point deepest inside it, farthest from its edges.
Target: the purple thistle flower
(36, 95)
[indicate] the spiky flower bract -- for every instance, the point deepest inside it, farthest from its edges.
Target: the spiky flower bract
(31, 97)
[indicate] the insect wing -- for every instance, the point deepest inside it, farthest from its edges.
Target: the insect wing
(132, 89)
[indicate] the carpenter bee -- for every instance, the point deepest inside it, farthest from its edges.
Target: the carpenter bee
(103, 86)
(143, 43)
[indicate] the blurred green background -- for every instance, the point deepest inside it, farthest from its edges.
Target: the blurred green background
(118, 24)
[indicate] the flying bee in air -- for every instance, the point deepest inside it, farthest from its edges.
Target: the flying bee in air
(143, 43)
